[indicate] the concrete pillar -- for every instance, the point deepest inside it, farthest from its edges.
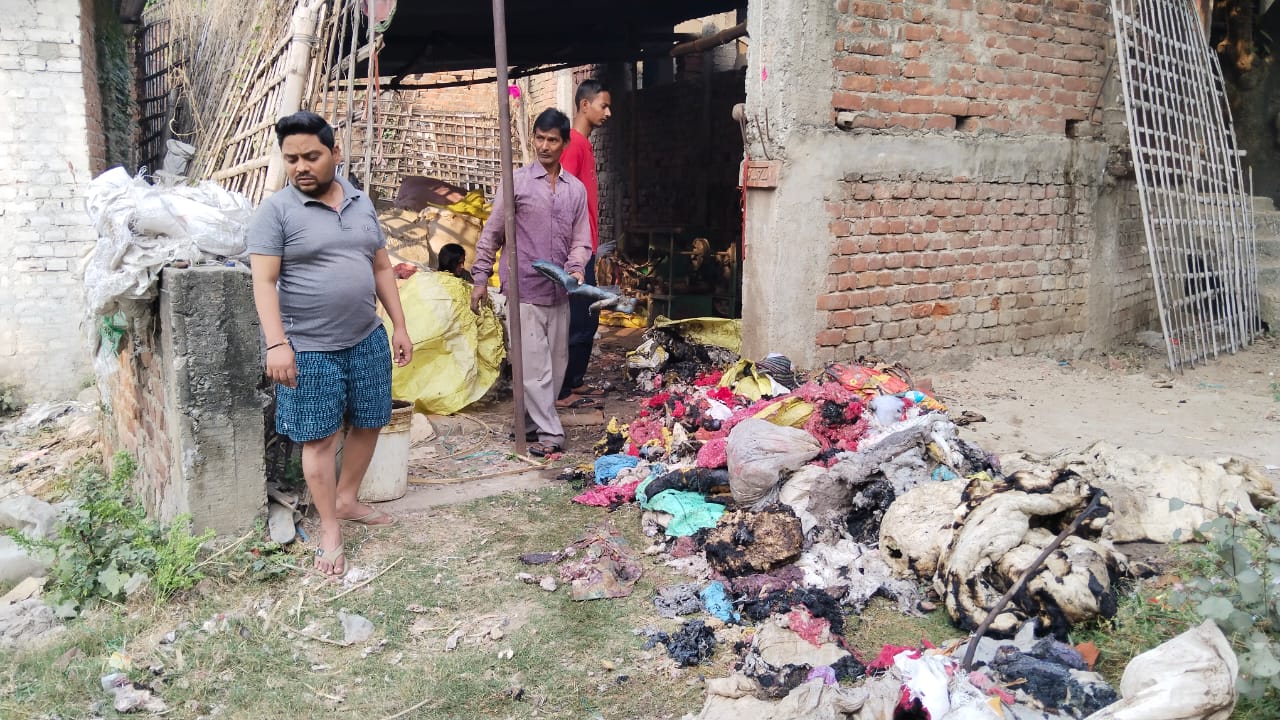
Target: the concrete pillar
(789, 80)
(210, 348)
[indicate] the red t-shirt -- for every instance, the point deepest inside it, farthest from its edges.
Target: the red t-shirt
(579, 160)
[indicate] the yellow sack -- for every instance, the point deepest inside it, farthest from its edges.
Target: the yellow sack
(721, 332)
(456, 353)
(614, 318)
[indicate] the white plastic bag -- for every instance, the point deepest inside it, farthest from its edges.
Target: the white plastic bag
(1191, 677)
(759, 452)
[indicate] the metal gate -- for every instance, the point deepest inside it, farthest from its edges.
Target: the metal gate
(1196, 204)
(156, 97)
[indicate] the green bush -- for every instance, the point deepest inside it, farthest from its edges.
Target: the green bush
(1235, 584)
(108, 548)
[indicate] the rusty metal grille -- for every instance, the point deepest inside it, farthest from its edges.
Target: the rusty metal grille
(156, 97)
(1196, 205)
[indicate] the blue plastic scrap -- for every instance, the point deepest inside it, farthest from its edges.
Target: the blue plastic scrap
(608, 467)
(716, 600)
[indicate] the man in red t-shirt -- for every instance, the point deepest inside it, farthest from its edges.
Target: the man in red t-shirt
(591, 110)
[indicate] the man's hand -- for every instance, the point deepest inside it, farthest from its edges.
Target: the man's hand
(479, 294)
(282, 368)
(582, 280)
(401, 347)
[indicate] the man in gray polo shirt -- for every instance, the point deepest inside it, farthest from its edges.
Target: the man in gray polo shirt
(319, 258)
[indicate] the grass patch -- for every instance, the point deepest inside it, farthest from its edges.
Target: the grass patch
(552, 657)
(881, 624)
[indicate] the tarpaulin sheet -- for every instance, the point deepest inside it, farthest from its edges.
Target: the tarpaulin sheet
(456, 353)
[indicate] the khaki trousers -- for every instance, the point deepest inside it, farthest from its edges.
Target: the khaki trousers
(544, 338)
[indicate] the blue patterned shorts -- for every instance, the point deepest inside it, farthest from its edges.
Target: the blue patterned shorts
(354, 384)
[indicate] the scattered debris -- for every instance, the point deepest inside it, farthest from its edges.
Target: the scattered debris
(355, 628)
(675, 600)
(27, 622)
(607, 568)
(693, 644)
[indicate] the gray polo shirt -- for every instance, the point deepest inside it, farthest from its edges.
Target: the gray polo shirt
(327, 299)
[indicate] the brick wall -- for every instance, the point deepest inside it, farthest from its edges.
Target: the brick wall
(1133, 295)
(930, 263)
(946, 184)
(185, 400)
(44, 164)
(138, 422)
(478, 97)
(969, 65)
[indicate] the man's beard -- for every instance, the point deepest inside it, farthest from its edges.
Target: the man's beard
(319, 189)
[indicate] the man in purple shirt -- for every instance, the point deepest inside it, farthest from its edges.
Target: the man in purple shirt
(553, 224)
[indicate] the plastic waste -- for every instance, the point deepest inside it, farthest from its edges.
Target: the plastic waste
(355, 628)
(1191, 677)
(142, 228)
(716, 600)
(759, 452)
(888, 408)
(601, 298)
(608, 467)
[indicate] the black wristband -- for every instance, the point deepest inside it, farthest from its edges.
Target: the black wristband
(273, 347)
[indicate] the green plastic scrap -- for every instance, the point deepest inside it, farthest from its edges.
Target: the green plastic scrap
(689, 511)
(111, 328)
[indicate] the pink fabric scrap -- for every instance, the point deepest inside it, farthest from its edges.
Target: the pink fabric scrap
(608, 495)
(714, 453)
(884, 660)
(684, 547)
(986, 684)
(807, 626)
(642, 430)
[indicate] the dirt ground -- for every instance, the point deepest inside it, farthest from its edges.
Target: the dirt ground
(1228, 406)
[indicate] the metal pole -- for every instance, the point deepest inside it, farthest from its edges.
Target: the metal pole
(509, 208)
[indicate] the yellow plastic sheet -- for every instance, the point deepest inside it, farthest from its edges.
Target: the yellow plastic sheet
(721, 332)
(745, 381)
(473, 204)
(614, 318)
(456, 354)
(790, 412)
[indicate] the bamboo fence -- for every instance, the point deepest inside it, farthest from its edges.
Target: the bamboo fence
(214, 73)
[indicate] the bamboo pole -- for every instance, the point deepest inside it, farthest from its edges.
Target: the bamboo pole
(509, 212)
(370, 99)
(351, 89)
(297, 66)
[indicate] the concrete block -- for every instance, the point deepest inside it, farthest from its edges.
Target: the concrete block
(210, 350)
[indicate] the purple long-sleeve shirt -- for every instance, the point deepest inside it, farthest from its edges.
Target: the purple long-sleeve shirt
(551, 224)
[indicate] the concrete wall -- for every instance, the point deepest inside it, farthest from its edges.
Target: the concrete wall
(940, 183)
(187, 403)
(50, 146)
